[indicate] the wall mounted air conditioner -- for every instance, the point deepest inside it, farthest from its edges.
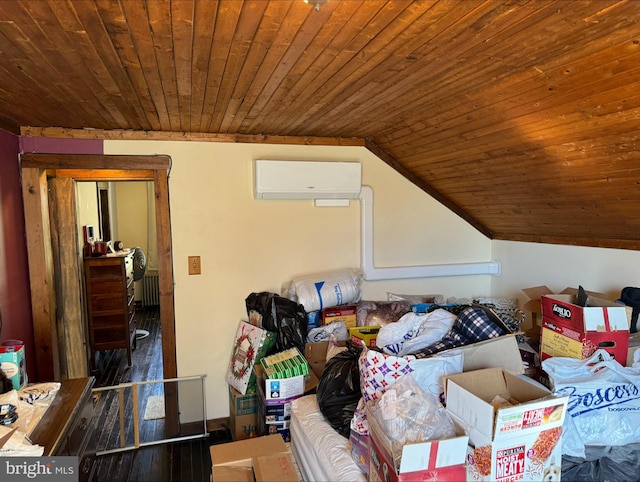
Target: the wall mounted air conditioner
(307, 179)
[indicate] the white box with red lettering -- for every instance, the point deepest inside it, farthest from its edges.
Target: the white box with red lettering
(514, 425)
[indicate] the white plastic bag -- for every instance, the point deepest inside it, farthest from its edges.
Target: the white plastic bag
(379, 372)
(406, 414)
(338, 329)
(414, 331)
(604, 397)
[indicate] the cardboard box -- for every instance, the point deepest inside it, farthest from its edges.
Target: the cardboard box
(368, 334)
(283, 429)
(13, 365)
(258, 459)
(573, 331)
(285, 364)
(430, 460)
(243, 414)
(316, 355)
(533, 307)
(274, 416)
(313, 319)
(360, 450)
(281, 388)
(502, 351)
(517, 440)
(274, 412)
(346, 314)
(240, 404)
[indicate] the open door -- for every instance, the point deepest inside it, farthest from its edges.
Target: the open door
(47, 250)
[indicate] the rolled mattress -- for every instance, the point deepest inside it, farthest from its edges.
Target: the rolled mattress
(322, 454)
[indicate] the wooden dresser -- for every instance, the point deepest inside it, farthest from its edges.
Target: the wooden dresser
(110, 303)
(66, 428)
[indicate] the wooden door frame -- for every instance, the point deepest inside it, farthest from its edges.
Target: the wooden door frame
(36, 169)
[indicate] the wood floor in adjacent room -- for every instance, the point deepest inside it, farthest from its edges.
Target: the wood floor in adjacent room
(182, 461)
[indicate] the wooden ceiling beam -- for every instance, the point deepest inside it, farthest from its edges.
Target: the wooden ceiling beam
(97, 162)
(187, 136)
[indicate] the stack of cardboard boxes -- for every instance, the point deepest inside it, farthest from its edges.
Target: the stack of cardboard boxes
(561, 328)
(282, 378)
(250, 345)
(266, 408)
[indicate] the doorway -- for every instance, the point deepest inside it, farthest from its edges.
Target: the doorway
(48, 186)
(124, 212)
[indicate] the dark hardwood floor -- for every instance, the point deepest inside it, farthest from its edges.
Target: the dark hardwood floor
(182, 461)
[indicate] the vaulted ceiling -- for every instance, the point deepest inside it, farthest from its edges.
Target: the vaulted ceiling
(521, 116)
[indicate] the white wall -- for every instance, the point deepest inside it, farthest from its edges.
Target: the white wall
(132, 213)
(249, 245)
(525, 265)
(87, 209)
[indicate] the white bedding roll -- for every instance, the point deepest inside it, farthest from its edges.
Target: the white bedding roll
(322, 454)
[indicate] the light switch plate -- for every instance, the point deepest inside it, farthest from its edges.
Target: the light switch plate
(194, 265)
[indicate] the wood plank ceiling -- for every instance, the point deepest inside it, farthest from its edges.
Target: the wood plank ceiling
(521, 116)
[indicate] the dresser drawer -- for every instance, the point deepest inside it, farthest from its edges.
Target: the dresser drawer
(82, 428)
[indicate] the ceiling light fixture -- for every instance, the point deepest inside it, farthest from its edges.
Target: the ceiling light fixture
(317, 4)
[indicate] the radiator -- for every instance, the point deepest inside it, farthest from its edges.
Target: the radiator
(150, 289)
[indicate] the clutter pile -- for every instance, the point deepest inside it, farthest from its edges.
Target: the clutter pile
(20, 412)
(425, 387)
(22, 405)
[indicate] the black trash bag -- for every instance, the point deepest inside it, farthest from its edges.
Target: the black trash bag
(280, 315)
(338, 391)
(619, 462)
(630, 296)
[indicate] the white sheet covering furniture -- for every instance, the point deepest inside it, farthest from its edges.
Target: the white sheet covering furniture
(321, 453)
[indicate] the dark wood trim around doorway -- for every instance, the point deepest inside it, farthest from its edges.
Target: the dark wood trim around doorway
(37, 170)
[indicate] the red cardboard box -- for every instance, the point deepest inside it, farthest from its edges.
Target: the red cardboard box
(533, 306)
(574, 331)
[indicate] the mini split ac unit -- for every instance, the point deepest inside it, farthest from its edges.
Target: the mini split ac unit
(307, 179)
